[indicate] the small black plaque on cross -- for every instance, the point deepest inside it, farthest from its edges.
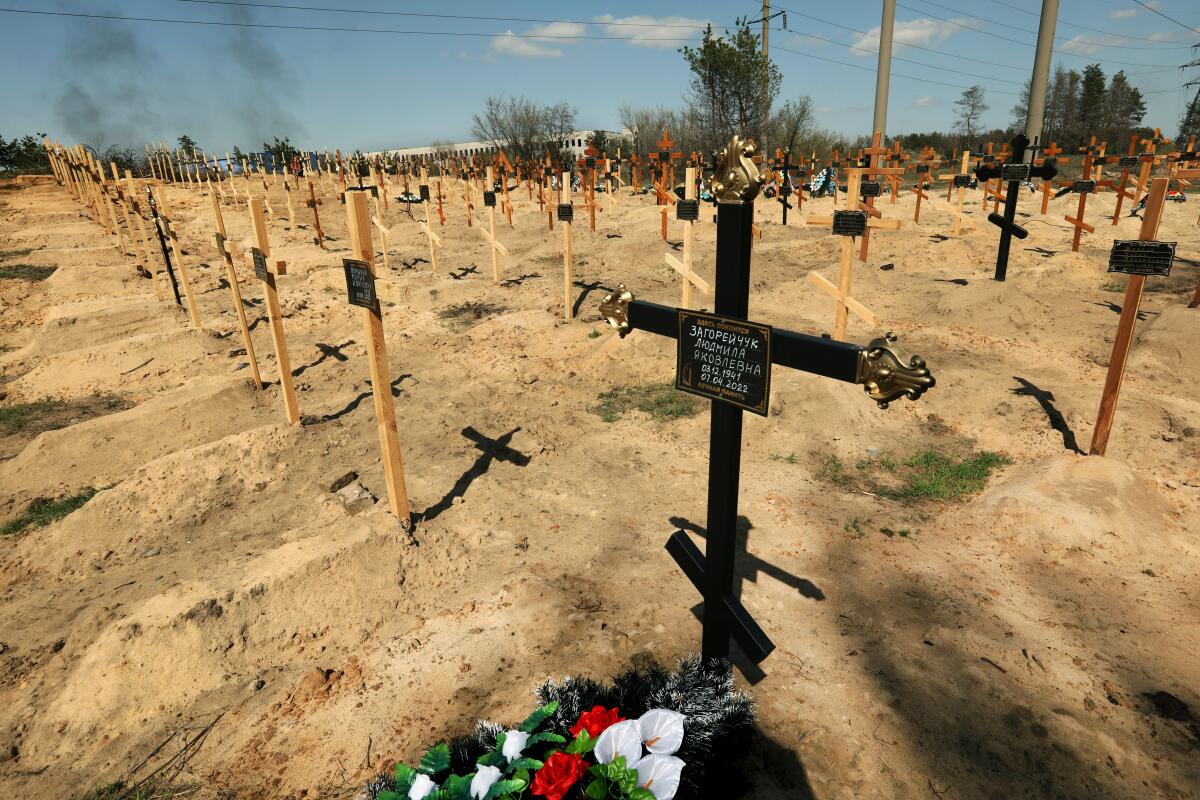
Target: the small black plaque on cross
(260, 264)
(1014, 172)
(221, 242)
(566, 212)
(962, 181)
(547, 172)
(724, 359)
(489, 199)
(922, 169)
(1125, 162)
(1138, 257)
(589, 162)
(687, 210)
(870, 189)
(849, 223)
(360, 284)
(1083, 187)
(424, 190)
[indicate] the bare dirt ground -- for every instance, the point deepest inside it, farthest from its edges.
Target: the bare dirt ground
(1037, 639)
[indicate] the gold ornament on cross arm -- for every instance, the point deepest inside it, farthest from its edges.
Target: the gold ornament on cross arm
(737, 179)
(887, 373)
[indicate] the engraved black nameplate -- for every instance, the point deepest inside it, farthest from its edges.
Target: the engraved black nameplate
(360, 283)
(1083, 187)
(849, 223)
(489, 199)
(424, 191)
(962, 181)
(922, 169)
(724, 359)
(1126, 162)
(547, 172)
(870, 189)
(566, 212)
(260, 263)
(1014, 172)
(1136, 257)
(590, 163)
(687, 210)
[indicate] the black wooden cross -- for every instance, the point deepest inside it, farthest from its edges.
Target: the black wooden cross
(1015, 172)
(884, 370)
(784, 166)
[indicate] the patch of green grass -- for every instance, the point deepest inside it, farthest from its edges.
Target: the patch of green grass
(153, 791)
(51, 414)
(7, 254)
(833, 470)
(662, 401)
(463, 315)
(26, 272)
(790, 458)
(1113, 287)
(903, 533)
(930, 475)
(44, 510)
(856, 526)
(883, 461)
(594, 334)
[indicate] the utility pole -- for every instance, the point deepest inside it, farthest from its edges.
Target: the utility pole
(766, 32)
(883, 74)
(1041, 77)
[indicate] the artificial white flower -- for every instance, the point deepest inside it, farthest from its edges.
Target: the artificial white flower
(514, 743)
(621, 739)
(483, 780)
(659, 774)
(422, 787)
(662, 730)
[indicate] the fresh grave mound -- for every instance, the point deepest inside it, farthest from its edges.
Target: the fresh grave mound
(651, 734)
(72, 326)
(1165, 346)
(1075, 501)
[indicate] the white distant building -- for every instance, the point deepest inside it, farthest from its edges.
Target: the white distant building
(575, 143)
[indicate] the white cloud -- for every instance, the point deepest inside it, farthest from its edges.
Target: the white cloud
(1160, 36)
(805, 40)
(539, 42)
(1123, 13)
(1082, 46)
(917, 31)
(558, 30)
(927, 102)
(659, 32)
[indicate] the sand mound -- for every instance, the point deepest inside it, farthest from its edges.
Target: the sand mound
(1165, 346)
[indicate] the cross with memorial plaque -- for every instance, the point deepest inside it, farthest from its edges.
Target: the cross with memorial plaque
(1083, 186)
(1125, 163)
(1047, 190)
(727, 359)
(587, 173)
(1013, 174)
(566, 215)
(783, 166)
(1149, 159)
(870, 189)
(687, 211)
(259, 256)
(897, 159)
(929, 160)
(1138, 259)
(489, 200)
(664, 159)
(960, 182)
(235, 289)
(848, 224)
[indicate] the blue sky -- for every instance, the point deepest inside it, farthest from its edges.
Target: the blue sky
(117, 81)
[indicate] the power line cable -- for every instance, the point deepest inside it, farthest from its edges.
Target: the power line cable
(1075, 25)
(1148, 7)
(872, 69)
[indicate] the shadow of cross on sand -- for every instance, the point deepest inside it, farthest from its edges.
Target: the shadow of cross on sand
(747, 566)
(493, 450)
(1046, 401)
(327, 351)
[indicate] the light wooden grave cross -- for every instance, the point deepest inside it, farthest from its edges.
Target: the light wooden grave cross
(664, 159)
(360, 289)
(871, 189)
(168, 221)
(687, 212)
(849, 224)
(506, 167)
(960, 181)
(259, 258)
(896, 161)
(1015, 174)
(587, 166)
(384, 234)
(727, 359)
(566, 215)
(489, 200)
(131, 198)
(312, 202)
(142, 255)
(235, 289)
(467, 194)
(1047, 189)
(162, 245)
(434, 240)
(1137, 258)
(929, 161)
(1149, 159)
(1125, 163)
(1083, 187)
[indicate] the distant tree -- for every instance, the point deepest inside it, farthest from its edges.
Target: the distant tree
(238, 156)
(188, 145)
(599, 141)
(1020, 111)
(792, 123)
(1093, 94)
(522, 127)
(24, 155)
(970, 108)
(1189, 123)
(1124, 109)
(281, 150)
(733, 85)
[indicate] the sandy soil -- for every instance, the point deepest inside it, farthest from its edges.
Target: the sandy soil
(1014, 646)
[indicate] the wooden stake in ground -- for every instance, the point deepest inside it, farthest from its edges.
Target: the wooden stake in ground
(687, 211)
(1083, 187)
(489, 200)
(849, 224)
(234, 288)
(434, 240)
(260, 258)
(147, 244)
(168, 220)
(960, 181)
(566, 215)
(360, 286)
(871, 189)
(1126, 162)
(312, 202)
(1137, 260)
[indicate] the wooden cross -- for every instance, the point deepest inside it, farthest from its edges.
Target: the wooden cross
(384, 234)
(783, 167)
(434, 240)
(961, 181)
(1126, 164)
(235, 289)
(260, 261)
(929, 160)
(162, 244)
(684, 267)
(1129, 312)
(858, 216)
(635, 176)
(381, 378)
(506, 166)
(664, 159)
(467, 195)
(1084, 186)
(496, 247)
(131, 199)
(184, 277)
(898, 157)
(1047, 189)
(874, 152)
(1149, 159)
(312, 203)
(566, 214)
(587, 165)
(743, 382)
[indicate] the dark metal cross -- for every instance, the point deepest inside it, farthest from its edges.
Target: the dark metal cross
(1008, 227)
(884, 370)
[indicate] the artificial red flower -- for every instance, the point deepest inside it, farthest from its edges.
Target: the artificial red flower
(596, 720)
(557, 775)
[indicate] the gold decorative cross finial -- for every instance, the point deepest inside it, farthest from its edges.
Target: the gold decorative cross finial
(737, 179)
